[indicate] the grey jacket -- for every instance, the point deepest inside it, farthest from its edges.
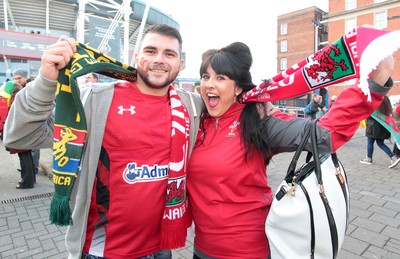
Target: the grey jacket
(34, 106)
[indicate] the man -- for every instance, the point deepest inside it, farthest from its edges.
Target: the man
(92, 78)
(315, 106)
(21, 77)
(119, 208)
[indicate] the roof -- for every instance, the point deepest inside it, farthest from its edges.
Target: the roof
(27, 16)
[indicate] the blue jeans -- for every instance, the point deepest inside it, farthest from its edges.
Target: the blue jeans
(36, 158)
(381, 145)
(27, 174)
(163, 254)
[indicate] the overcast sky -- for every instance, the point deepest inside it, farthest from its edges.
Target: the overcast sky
(209, 24)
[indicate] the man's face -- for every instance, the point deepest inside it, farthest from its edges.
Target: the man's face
(21, 80)
(90, 78)
(158, 62)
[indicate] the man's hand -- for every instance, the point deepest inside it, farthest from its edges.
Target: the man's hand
(57, 56)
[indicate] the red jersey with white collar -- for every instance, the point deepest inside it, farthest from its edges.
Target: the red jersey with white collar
(128, 198)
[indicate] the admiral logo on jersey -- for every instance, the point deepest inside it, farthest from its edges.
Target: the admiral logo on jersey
(134, 174)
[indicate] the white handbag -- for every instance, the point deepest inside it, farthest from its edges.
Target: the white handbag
(310, 210)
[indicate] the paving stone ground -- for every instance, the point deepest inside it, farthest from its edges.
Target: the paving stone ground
(373, 232)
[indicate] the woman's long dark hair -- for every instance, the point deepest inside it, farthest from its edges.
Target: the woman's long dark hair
(234, 61)
(386, 107)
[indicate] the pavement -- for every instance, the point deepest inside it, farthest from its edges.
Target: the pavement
(373, 232)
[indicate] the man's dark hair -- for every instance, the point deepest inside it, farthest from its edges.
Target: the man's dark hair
(165, 30)
(96, 76)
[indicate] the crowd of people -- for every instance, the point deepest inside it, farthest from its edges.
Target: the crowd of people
(215, 144)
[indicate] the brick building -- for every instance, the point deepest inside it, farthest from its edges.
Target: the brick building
(300, 34)
(303, 32)
(346, 14)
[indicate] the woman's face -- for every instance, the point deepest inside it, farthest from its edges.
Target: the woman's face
(219, 92)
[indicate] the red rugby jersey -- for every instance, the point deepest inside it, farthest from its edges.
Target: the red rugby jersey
(128, 196)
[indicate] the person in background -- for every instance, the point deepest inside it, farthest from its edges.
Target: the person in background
(8, 90)
(333, 99)
(21, 77)
(119, 208)
(175, 85)
(321, 108)
(375, 132)
(91, 78)
(229, 194)
(315, 106)
(396, 116)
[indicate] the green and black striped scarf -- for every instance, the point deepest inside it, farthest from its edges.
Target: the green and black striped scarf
(70, 123)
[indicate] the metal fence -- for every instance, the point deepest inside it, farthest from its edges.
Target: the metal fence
(298, 111)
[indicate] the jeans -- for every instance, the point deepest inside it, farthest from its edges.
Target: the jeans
(36, 158)
(381, 145)
(163, 254)
(26, 162)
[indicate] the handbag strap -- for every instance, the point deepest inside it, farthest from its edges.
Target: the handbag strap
(310, 133)
(300, 148)
(314, 148)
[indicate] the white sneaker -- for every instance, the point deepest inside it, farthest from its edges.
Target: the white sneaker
(367, 161)
(394, 162)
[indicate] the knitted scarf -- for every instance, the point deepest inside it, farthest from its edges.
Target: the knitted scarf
(70, 131)
(354, 55)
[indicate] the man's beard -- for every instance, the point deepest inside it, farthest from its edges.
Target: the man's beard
(143, 75)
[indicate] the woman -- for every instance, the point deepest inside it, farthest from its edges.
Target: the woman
(375, 132)
(227, 182)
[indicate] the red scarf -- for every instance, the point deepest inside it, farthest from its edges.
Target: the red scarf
(354, 55)
(175, 222)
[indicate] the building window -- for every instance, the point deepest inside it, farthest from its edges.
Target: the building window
(283, 63)
(350, 4)
(283, 28)
(381, 20)
(379, 1)
(350, 24)
(284, 46)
